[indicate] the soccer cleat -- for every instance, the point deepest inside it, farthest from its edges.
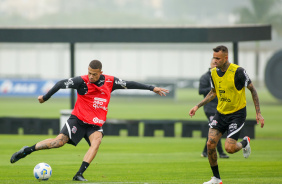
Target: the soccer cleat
(18, 155)
(79, 177)
(204, 154)
(247, 149)
(214, 180)
(223, 155)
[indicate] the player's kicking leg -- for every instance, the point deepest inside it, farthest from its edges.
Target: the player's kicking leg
(59, 141)
(18, 155)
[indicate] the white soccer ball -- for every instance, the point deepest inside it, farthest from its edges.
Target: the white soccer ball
(42, 171)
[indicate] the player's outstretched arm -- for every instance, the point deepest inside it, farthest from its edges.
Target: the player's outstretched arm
(40, 99)
(53, 90)
(255, 97)
(160, 91)
(72, 83)
(121, 84)
(210, 96)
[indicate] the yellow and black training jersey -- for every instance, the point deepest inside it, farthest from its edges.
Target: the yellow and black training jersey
(230, 88)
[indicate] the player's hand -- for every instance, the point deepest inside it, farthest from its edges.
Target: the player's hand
(193, 111)
(260, 119)
(160, 91)
(40, 99)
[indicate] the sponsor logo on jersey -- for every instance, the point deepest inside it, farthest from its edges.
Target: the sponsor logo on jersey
(221, 92)
(99, 103)
(98, 121)
(219, 84)
(225, 99)
(109, 80)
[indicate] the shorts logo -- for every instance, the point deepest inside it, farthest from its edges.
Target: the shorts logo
(211, 117)
(233, 127)
(74, 129)
(213, 123)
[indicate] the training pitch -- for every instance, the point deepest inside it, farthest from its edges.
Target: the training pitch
(155, 160)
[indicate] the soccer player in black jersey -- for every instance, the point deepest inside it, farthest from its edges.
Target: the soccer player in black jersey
(89, 114)
(228, 82)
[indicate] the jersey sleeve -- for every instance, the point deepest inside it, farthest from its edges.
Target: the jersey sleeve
(241, 78)
(122, 84)
(72, 83)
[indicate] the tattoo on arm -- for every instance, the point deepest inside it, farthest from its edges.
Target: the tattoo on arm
(255, 97)
(210, 96)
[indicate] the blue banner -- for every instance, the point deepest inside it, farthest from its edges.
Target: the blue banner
(29, 87)
(36, 87)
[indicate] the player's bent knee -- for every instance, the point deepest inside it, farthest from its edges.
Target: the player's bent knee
(211, 145)
(230, 149)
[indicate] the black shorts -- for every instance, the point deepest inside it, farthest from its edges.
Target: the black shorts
(210, 116)
(76, 129)
(232, 123)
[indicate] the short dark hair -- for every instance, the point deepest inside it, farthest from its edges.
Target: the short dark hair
(95, 64)
(221, 48)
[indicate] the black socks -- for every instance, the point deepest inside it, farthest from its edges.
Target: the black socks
(83, 167)
(29, 150)
(215, 171)
(244, 143)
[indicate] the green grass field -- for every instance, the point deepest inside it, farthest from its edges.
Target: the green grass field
(155, 160)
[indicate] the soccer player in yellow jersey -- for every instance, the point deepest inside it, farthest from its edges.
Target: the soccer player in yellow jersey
(228, 82)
